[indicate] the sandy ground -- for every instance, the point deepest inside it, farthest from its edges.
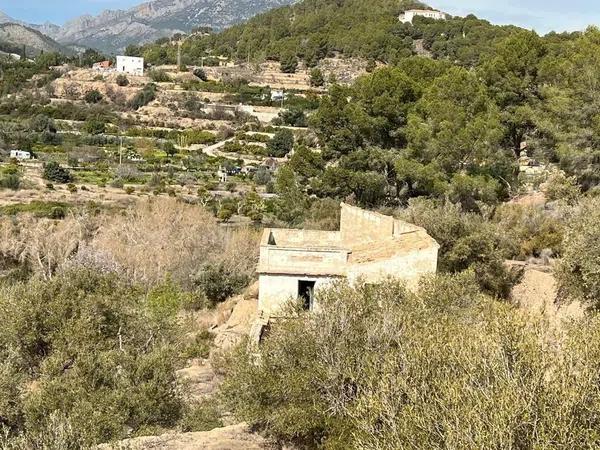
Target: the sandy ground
(235, 437)
(537, 294)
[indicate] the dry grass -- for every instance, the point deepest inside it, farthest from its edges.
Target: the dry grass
(163, 237)
(149, 241)
(44, 245)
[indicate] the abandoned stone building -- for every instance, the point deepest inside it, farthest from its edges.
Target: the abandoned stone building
(369, 247)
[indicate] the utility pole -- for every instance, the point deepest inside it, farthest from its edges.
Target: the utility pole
(179, 55)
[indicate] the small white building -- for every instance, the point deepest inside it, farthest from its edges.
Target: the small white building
(369, 248)
(278, 95)
(408, 16)
(130, 65)
(222, 175)
(20, 154)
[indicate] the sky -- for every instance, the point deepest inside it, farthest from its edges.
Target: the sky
(541, 15)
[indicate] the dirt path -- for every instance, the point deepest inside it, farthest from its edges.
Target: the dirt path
(235, 437)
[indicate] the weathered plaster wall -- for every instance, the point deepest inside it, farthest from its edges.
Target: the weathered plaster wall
(410, 267)
(276, 290)
(358, 225)
(301, 261)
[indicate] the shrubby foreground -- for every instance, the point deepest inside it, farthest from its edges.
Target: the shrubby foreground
(448, 367)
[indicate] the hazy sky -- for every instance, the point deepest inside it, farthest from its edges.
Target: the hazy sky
(542, 15)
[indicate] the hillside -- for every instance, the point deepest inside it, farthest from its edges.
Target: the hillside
(113, 30)
(316, 29)
(14, 36)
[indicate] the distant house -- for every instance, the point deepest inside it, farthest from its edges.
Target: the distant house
(270, 163)
(408, 16)
(277, 95)
(130, 65)
(102, 65)
(19, 154)
(222, 175)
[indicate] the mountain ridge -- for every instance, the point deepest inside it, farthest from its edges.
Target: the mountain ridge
(15, 35)
(113, 30)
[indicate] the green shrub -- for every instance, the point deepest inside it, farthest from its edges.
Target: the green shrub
(93, 96)
(200, 346)
(579, 270)
(165, 300)
(381, 368)
(10, 181)
(316, 78)
(281, 144)
(467, 242)
(94, 127)
(97, 355)
(117, 183)
(145, 96)
(129, 190)
(219, 283)
(72, 188)
(289, 63)
(122, 80)
(201, 74)
(561, 187)
(54, 172)
(37, 208)
(58, 213)
(202, 416)
(159, 76)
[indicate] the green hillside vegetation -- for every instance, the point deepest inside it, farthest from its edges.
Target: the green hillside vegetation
(121, 246)
(315, 29)
(427, 127)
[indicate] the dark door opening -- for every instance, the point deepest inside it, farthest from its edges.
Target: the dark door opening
(306, 293)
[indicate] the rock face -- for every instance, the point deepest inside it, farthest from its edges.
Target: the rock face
(112, 31)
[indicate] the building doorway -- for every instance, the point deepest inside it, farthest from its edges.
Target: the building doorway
(306, 293)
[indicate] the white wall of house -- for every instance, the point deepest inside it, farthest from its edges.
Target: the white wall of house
(408, 16)
(410, 268)
(131, 65)
(277, 290)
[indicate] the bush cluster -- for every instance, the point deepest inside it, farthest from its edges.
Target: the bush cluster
(447, 367)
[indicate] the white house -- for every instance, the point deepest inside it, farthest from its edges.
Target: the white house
(368, 248)
(131, 65)
(19, 154)
(408, 16)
